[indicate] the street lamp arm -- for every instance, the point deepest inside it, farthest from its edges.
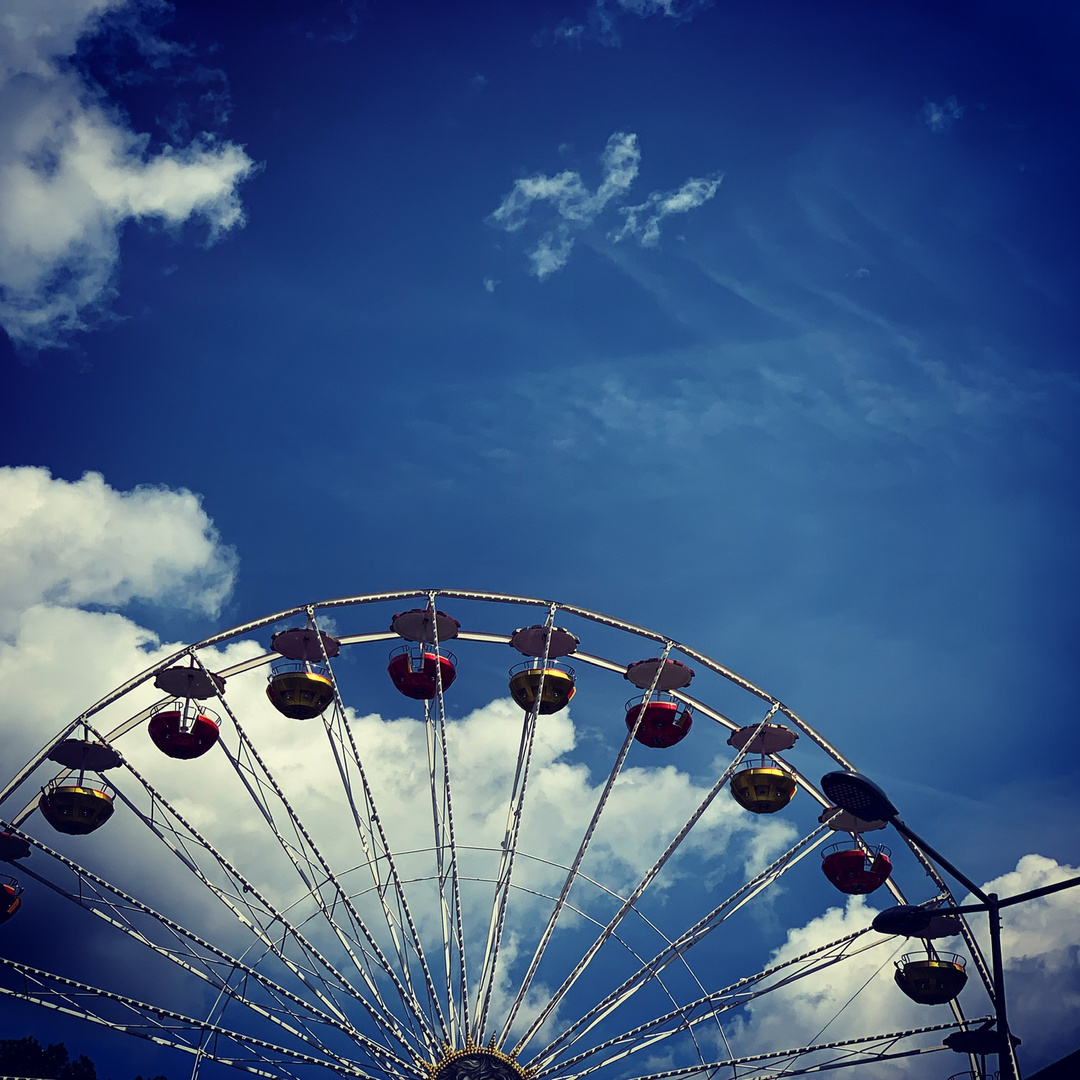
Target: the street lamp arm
(1032, 894)
(940, 859)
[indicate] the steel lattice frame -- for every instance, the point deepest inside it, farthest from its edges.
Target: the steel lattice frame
(342, 977)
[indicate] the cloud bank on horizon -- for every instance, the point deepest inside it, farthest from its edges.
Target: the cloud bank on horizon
(73, 173)
(575, 207)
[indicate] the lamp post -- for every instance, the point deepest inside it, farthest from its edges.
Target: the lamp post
(860, 796)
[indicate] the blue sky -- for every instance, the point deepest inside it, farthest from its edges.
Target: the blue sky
(750, 324)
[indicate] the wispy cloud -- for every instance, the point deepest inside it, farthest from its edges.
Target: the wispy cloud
(601, 20)
(941, 117)
(576, 207)
(72, 172)
(643, 221)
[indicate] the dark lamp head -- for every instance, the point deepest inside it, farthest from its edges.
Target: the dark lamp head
(858, 795)
(905, 920)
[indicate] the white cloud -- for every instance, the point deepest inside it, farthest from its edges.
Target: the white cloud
(1039, 943)
(72, 173)
(32, 32)
(643, 221)
(806, 1011)
(602, 18)
(576, 207)
(68, 544)
(939, 118)
(673, 9)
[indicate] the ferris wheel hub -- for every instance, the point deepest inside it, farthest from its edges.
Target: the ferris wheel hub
(477, 1063)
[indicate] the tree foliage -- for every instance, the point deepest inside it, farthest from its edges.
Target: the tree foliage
(28, 1058)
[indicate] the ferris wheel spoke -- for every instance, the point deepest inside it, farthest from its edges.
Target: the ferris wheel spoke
(377, 850)
(489, 966)
(163, 1026)
(307, 860)
(711, 1005)
(436, 822)
(264, 919)
(447, 807)
(681, 945)
(869, 1048)
(301, 859)
(587, 918)
(549, 929)
(445, 916)
(205, 961)
(648, 878)
(507, 856)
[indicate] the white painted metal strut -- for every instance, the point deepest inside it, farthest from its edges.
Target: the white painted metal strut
(371, 860)
(680, 946)
(653, 871)
(448, 805)
(549, 929)
(841, 1044)
(514, 809)
(206, 969)
(712, 1004)
(153, 1025)
(383, 1016)
(445, 918)
(378, 833)
(310, 977)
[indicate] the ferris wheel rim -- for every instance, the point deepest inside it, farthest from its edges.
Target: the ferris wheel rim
(309, 610)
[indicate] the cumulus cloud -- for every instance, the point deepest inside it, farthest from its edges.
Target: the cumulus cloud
(1039, 944)
(847, 1000)
(69, 544)
(575, 207)
(72, 173)
(939, 118)
(71, 549)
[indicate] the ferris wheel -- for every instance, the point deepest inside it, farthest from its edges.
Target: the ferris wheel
(288, 850)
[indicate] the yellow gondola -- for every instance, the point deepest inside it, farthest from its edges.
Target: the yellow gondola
(298, 689)
(75, 808)
(931, 978)
(763, 789)
(558, 685)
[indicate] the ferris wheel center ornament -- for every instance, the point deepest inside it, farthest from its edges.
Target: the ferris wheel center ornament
(477, 1063)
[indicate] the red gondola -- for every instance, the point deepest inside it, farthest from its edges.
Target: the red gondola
(664, 721)
(855, 871)
(415, 671)
(13, 847)
(10, 897)
(183, 729)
